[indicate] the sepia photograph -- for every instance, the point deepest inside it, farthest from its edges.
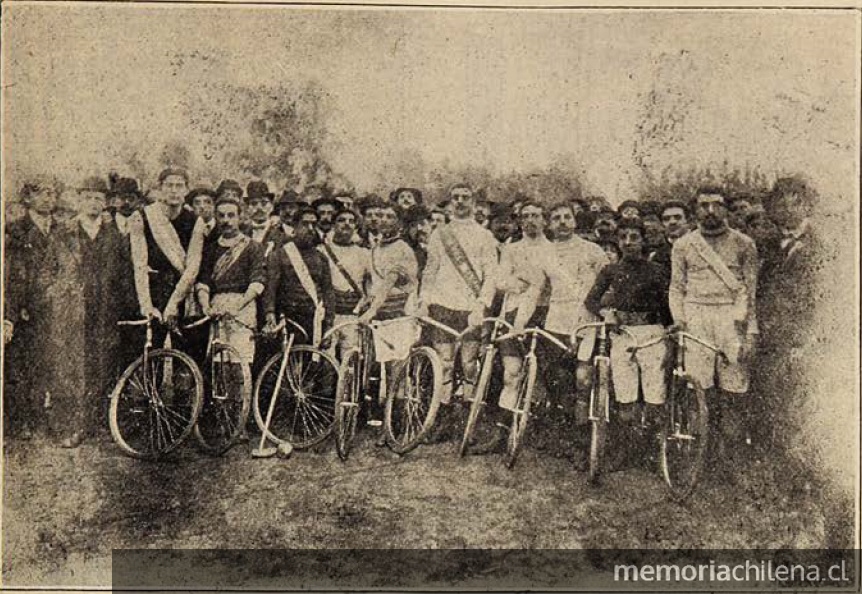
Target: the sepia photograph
(441, 298)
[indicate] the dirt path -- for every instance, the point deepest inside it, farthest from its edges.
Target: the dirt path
(66, 510)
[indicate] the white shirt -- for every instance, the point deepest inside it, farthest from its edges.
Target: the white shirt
(354, 259)
(442, 283)
(578, 263)
(525, 267)
(90, 226)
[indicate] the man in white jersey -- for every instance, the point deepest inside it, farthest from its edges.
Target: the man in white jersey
(458, 283)
(578, 263)
(350, 268)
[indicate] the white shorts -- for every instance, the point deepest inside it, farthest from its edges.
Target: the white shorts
(394, 338)
(233, 333)
(646, 370)
(715, 324)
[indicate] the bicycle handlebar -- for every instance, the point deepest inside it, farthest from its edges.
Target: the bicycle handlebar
(611, 328)
(143, 322)
(675, 333)
(540, 332)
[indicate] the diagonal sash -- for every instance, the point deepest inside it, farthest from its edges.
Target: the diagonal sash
(227, 259)
(307, 283)
(334, 259)
(714, 261)
(455, 252)
(166, 236)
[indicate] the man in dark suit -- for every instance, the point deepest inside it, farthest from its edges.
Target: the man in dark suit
(84, 300)
(26, 309)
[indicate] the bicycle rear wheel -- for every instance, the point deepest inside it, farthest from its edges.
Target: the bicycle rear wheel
(226, 407)
(684, 437)
(155, 404)
(304, 411)
(347, 395)
(474, 438)
(521, 414)
(599, 421)
(413, 400)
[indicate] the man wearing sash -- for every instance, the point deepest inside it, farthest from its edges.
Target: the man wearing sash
(167, 244)
(350, 267)
(459, 281)
(233, 273)
(299, 282)
(712, 295)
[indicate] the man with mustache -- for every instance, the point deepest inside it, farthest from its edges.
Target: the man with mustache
(712, 295)
(458, 283)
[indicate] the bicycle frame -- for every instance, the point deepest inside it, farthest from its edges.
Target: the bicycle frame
(601, 363)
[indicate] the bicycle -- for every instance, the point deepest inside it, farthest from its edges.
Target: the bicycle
(526, 386)
(599, 414)
(480, 393)
(352, 388)
(228, 400)
(684, 436)
(294, 397)
(156, 402)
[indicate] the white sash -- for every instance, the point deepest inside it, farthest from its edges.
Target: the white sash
(308, 284)
(724, 274)
(166, 236)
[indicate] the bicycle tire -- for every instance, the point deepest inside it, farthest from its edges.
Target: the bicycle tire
(685, 434)
(521, 414)
(347, 394)
(314, 404)
(476, 405)
(599, 425)
(225, 409)
(422, 371)
(132, 406)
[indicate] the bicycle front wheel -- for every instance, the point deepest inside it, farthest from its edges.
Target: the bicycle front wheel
(684, 437)
(304, 410)
(156, 403)
(599, 420)
(347, 401)
(226, 407)
(413, 400)
(521, 414)
(475, 439)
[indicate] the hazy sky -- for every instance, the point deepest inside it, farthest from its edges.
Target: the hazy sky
(507, 89)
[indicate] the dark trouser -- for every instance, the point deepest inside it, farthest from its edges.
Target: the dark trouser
(25, 379)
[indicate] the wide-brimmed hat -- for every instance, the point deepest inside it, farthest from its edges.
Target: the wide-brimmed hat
(258, 190)
(125, 186)
(287, 197)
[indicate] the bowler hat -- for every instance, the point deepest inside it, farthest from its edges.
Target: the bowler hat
(190, 197)
(258, 190)
(229, 184)
(125, 186)
(287, 197)
(94, 184)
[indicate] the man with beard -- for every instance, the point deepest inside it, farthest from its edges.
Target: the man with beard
(350, 268)
(577, 265)
(417, 230)
(325, 209)
(605, 228)
(633, 293)
(674, 218)
(232, 278)
(458, 285)
(392, 294)
(713, 295)
(167, 243)
(259, 201)
(502, 223)
(299, 282)
(405, 198)
(27, 308)
(84, 314)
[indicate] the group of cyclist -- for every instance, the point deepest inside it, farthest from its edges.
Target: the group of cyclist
(321, 259)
